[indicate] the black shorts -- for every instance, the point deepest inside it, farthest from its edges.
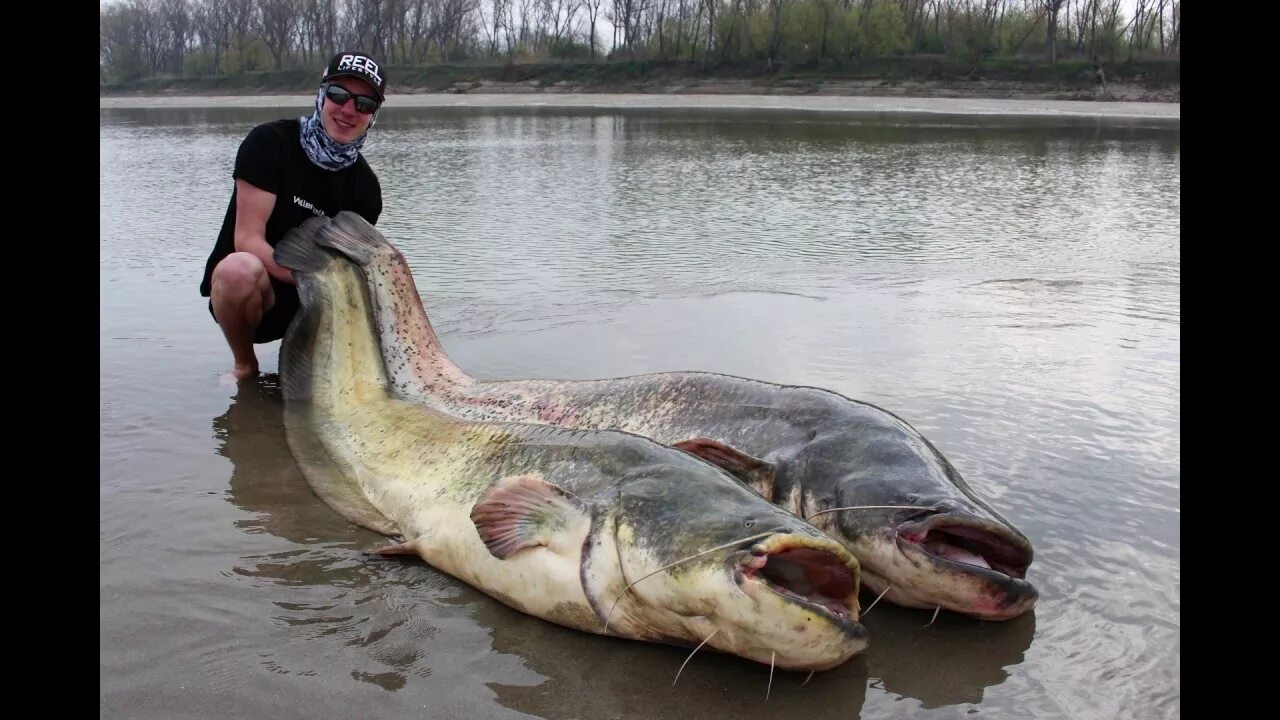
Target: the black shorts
(276, 320)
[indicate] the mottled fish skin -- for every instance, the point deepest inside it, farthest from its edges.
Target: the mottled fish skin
(554, 522)
(823, 450)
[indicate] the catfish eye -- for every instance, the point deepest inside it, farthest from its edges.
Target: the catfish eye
(750, 523)
(912, 498)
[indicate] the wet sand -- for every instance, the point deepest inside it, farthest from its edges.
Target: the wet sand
(1161, 113)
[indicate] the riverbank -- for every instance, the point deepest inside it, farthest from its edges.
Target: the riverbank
(982, 110)
(907, 77)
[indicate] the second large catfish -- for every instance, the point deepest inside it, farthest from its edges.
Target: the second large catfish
(806, 449)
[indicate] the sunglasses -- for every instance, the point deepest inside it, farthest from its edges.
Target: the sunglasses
(339, 95)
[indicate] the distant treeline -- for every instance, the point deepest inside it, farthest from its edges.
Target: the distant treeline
(198, 38)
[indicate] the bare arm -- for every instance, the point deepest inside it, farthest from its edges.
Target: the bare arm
(253, 207)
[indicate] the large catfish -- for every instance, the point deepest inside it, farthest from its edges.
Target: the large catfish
(807, 449)
(603, 531)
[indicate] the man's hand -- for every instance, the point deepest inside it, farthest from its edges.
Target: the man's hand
(253, 207)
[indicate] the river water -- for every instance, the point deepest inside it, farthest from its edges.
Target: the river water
(1009, 286)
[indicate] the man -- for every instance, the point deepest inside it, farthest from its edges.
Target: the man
(285, 172)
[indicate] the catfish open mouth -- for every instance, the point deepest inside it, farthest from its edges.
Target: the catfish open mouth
(813, 577)
(969, 543)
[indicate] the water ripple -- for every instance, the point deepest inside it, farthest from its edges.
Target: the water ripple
(1013, 293)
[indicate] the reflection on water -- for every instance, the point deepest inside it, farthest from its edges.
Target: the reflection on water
(339, 606)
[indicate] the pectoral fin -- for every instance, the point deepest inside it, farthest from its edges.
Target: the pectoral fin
(525, 511)
(754, 472)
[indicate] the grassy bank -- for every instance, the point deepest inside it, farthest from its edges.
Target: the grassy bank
(919, 76)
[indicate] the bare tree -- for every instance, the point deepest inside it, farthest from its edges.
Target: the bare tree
(361, 18)
(493, 26)
(627, 16)
(416, 31)
(1051, 8)
(211, 20)
(245, 23)
(279, 23)
(710, 6)
(661, 16)
(1160, 22)
(141, 37)
(509, 23)
(775, 39)
(316, 30)
(175, 26)
(526, 14)
(120, 42)
(151, 34)
(593, 12)
(452, 23)
(914, 12)
(555, 18)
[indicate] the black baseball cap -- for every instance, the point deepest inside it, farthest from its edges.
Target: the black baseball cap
(352, 63)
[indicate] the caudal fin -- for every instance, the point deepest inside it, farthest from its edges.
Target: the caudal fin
(298, 250)
(353, 236)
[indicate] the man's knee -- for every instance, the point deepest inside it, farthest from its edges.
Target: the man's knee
(240, 274)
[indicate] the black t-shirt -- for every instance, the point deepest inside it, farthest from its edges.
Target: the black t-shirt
(271, 157)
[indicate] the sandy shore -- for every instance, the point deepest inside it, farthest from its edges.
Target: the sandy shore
(1161, 113)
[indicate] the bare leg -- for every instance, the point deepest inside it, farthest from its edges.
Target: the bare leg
(241, 294)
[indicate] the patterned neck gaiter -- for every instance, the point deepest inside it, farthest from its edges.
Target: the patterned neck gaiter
(320, 148)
